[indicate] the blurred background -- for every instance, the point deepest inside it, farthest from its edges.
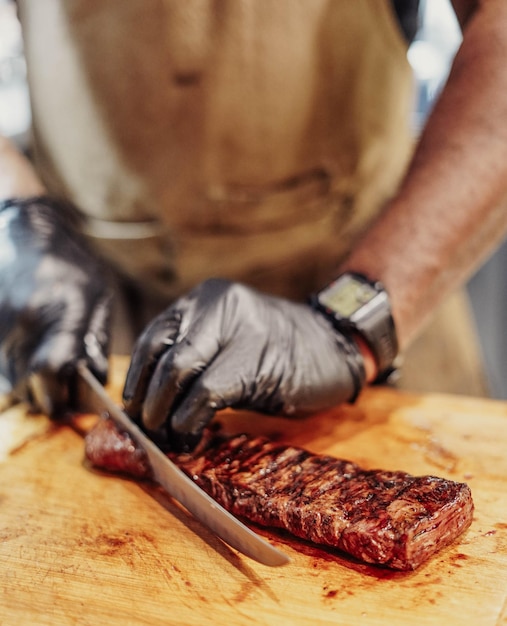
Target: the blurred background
(14, 102)
(430, 55)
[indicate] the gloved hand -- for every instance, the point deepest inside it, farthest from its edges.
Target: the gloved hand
(225, 345)
(54, 305)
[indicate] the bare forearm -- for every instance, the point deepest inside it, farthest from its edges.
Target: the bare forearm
(451, 210)
(17, 176)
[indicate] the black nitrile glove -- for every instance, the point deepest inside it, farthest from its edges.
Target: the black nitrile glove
(225, 345)
(54, 303)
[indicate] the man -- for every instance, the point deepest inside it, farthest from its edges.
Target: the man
(265, 143)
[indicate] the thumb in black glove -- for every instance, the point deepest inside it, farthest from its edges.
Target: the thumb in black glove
(54, 304)
(225, 345)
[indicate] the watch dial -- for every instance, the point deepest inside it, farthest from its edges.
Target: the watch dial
(347, 296)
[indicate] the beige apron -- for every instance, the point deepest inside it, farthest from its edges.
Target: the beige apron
(248, 139)
(248, 135)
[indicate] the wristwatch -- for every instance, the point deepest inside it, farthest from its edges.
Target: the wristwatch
(357, 305)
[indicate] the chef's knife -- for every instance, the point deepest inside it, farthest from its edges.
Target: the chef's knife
(92, 397)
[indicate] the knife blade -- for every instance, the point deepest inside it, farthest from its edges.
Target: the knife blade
(92, 397)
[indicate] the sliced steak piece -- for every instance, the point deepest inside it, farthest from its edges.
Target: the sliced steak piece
(382, 517)
(108, 448)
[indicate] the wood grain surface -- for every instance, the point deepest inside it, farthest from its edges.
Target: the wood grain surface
(81, 547)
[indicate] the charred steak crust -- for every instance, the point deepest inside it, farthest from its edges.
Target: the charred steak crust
(387, 518)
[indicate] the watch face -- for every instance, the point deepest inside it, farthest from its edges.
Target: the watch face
(347, 295)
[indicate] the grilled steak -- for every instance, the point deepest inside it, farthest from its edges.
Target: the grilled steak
(383, 517)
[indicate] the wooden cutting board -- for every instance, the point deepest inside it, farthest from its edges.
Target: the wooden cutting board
(81, 547)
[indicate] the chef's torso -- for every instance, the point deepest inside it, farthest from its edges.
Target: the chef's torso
(249, 139)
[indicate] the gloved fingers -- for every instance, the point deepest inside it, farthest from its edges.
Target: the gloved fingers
(52, 306)
(173, 375)
(67, 339)
(97, 338)
(221, 385)
(183, 319)
(49, 370)
(154, 341)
